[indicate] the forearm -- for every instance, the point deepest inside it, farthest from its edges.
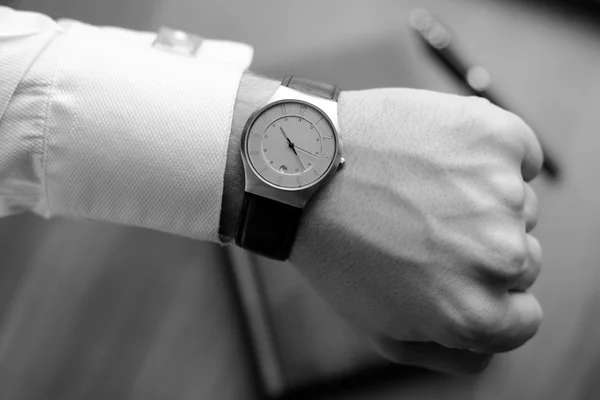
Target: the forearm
(253, 91)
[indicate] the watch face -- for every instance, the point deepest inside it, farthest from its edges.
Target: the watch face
(291, 144)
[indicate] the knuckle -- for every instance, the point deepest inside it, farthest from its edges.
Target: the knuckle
(535, 250)
(515, 125)
(479, 327)
(505, 128)
(512, 191)
(507, 255)
(531, 201)
(514, 251)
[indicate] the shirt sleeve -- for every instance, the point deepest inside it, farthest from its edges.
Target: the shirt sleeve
(96, 124)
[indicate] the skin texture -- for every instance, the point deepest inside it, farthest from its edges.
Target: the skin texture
(421, 241)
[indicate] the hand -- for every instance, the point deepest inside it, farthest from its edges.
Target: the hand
(421, 241)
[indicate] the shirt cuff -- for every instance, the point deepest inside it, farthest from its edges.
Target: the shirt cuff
(137, 136)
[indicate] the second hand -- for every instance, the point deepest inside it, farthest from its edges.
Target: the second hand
(307, 152)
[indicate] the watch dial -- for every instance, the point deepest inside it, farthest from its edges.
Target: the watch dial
(291, 145)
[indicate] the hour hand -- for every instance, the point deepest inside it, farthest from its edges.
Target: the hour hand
(286, 136)
(290, 144)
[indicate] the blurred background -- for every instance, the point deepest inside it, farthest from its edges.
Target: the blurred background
(96, 311)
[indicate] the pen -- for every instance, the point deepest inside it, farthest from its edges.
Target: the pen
(474, 78)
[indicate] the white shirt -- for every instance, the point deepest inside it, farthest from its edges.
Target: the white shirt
(96, 124)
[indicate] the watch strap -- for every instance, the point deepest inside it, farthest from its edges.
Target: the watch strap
(267, 227)
(313, 88)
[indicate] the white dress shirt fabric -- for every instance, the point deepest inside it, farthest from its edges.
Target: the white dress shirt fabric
(96, 124)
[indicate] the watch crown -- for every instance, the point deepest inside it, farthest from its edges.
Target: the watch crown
(342, 161)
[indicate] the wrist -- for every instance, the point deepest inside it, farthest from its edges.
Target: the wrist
(253, 91)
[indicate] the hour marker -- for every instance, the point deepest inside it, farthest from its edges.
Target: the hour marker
(283, 110)
(265, 150)
(317, 173)
(326, 156)
(303, 109)
(328, 137)
(283, 169)
(279, 180)
(266, 118)
(320, 119)
(299, 181)
(271, 162)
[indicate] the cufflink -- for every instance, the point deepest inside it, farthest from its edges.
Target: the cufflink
(178, 42)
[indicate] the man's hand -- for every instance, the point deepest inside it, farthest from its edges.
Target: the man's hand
(421, 240)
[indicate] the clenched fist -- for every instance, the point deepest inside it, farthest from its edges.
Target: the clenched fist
(421, 241)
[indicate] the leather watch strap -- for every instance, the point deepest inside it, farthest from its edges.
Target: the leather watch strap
(267, 227)
(318, 89)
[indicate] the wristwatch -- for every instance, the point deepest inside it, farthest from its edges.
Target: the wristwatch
(290, 148)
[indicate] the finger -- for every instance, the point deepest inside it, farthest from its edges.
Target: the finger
(522, 318)
(530, 211)
(532, 267)
(433, 356)
(533, 157)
